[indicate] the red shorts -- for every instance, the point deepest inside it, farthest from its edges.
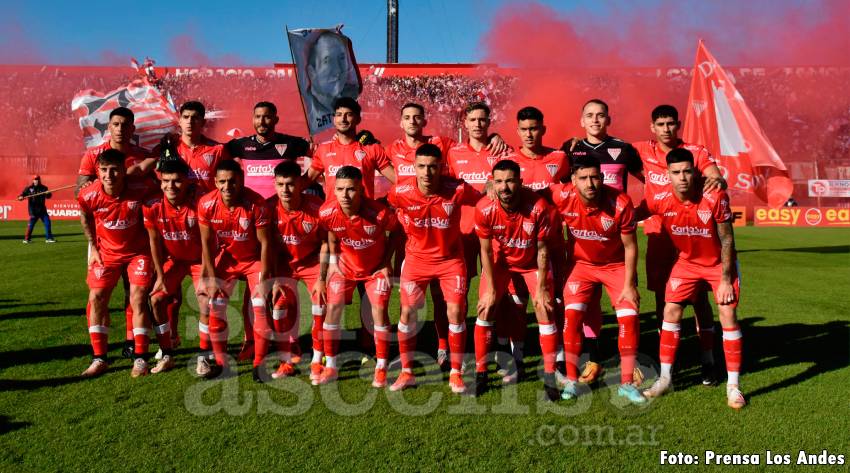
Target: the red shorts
(660, 258)
(341, 288)
(507, 280)
(174, 271)
(687, 280)
(471, 251)
(308, 274)
(230, 270)
(415, 278)
(583, 279)
(139, 272)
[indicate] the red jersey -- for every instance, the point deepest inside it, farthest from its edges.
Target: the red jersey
(655, 165)
(332, 155)
(538, 173)
(177, 227)
(299, 231)
(88, 165)
(403, 156)
(119, 234)
(432, 223)
(595, 231)
(235, 230)
(473, 167)
(514, 234)
(202, 160)
(692, 226)
(362, 238)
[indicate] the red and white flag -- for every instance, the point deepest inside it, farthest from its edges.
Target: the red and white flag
(719, 119)
(154, 112)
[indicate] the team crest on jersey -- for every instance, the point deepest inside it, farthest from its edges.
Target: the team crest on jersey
(370, 229)
(98, 272)
(208, 158)
(528, 227)
(614, 153)
(307, 226)
(486, 210)
(190, 221)
(449, 208)
(704, 215)
(573, 286)
(410, 287)
(675, 283)
(359, 154)
(132, 204)
(492, 160)
(243, 222)
(607, 222)
(403, 188)
(281, 148)
(552, 168)
(335, 286)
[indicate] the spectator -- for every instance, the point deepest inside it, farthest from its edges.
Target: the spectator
(37, 193)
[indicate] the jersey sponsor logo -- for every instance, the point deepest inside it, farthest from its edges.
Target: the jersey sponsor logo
(587, 234)
(244, 222)
(259, 170)
(671, 214)
(232, 234)
(570, 214)
(338, 229)
(406, 170)
(606, 223)
(704, 215)
(332, 170)
(370, 229)
(360, 244)
(661, 196)
(400, 156)
(281, 148)
(614, 153)
(403, 188)
(307, 226)
(119, 224)
(462, 161)
(553, 169)
(449, 208)
(208, 204)
(176, 236)
(435, 222)
(290, 239)
(689, 231)
(528, 227)
(359, 154)
(520, 243)
(215, 220)
(250, 148)
(661, 179)
(573, 286)
(474, 176)
(498, 227)
(326, 212)
(208, 158)
(536, 186)
(675, 283)
(411, 208)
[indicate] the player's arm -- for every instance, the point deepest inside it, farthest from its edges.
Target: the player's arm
(319, 287)
(713, 179)
(389, 173)
(208, 260)
(266, 258)
(143, 167)
(725, 292)
(496, 145)
(543, 300)
(313, 174)
(635, 164)
(332, 266)
(87, 221)
(488, 300)
(83, 181)
(158, 257)
(630, 292)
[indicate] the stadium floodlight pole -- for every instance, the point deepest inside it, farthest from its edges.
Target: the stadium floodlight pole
(392, 31)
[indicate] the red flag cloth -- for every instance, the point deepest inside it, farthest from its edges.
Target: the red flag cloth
(719, 119)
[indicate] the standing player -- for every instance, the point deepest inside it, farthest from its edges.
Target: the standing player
(660, 253)
(360, 252)
(429, 212)
(700, 226)
(344, 149)
(514, 230)
(235, 244)
(603, 252)
(199, 152)
(175, 243)
(295, 220)
(111, 215)
(617, 159)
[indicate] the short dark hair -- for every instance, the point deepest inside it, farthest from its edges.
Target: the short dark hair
(174, 166)
(680, 155)
(585, 161)
(349, 103)
(268, 105)
(507, 165)
(122, 112)
(476, 106)
(287, 168)
(194, 106)
(597, 102)
(665, 111)
(112, 156)
(431, 150)
(229, 165)
(529, 113)
(413, 105)
(349, 172)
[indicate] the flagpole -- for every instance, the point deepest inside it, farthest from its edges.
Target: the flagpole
(298, 83)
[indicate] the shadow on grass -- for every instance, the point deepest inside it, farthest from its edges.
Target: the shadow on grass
(36, 238)
(807, 249)
(44, 313)
(8, 425)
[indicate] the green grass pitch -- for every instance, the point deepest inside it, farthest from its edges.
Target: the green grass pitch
(794, 316)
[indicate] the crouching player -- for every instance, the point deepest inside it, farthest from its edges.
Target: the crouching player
(175, 242)
(359, 252)
(235, 244)
(111, 215)
(514, 230)
(295, 220)
(602, 252)
(700, 226)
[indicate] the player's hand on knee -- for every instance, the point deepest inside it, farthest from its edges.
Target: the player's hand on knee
(629, 294)
(94, 258)
(485, 304)
(725, 293)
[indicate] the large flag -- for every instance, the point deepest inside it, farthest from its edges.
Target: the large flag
(154, 112)
(719, 119)
(326, 70)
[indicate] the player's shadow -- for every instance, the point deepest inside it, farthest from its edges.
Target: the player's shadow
(37, 238)
(8, 425)
(47, 354)
(44, 313)
(807, 249)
